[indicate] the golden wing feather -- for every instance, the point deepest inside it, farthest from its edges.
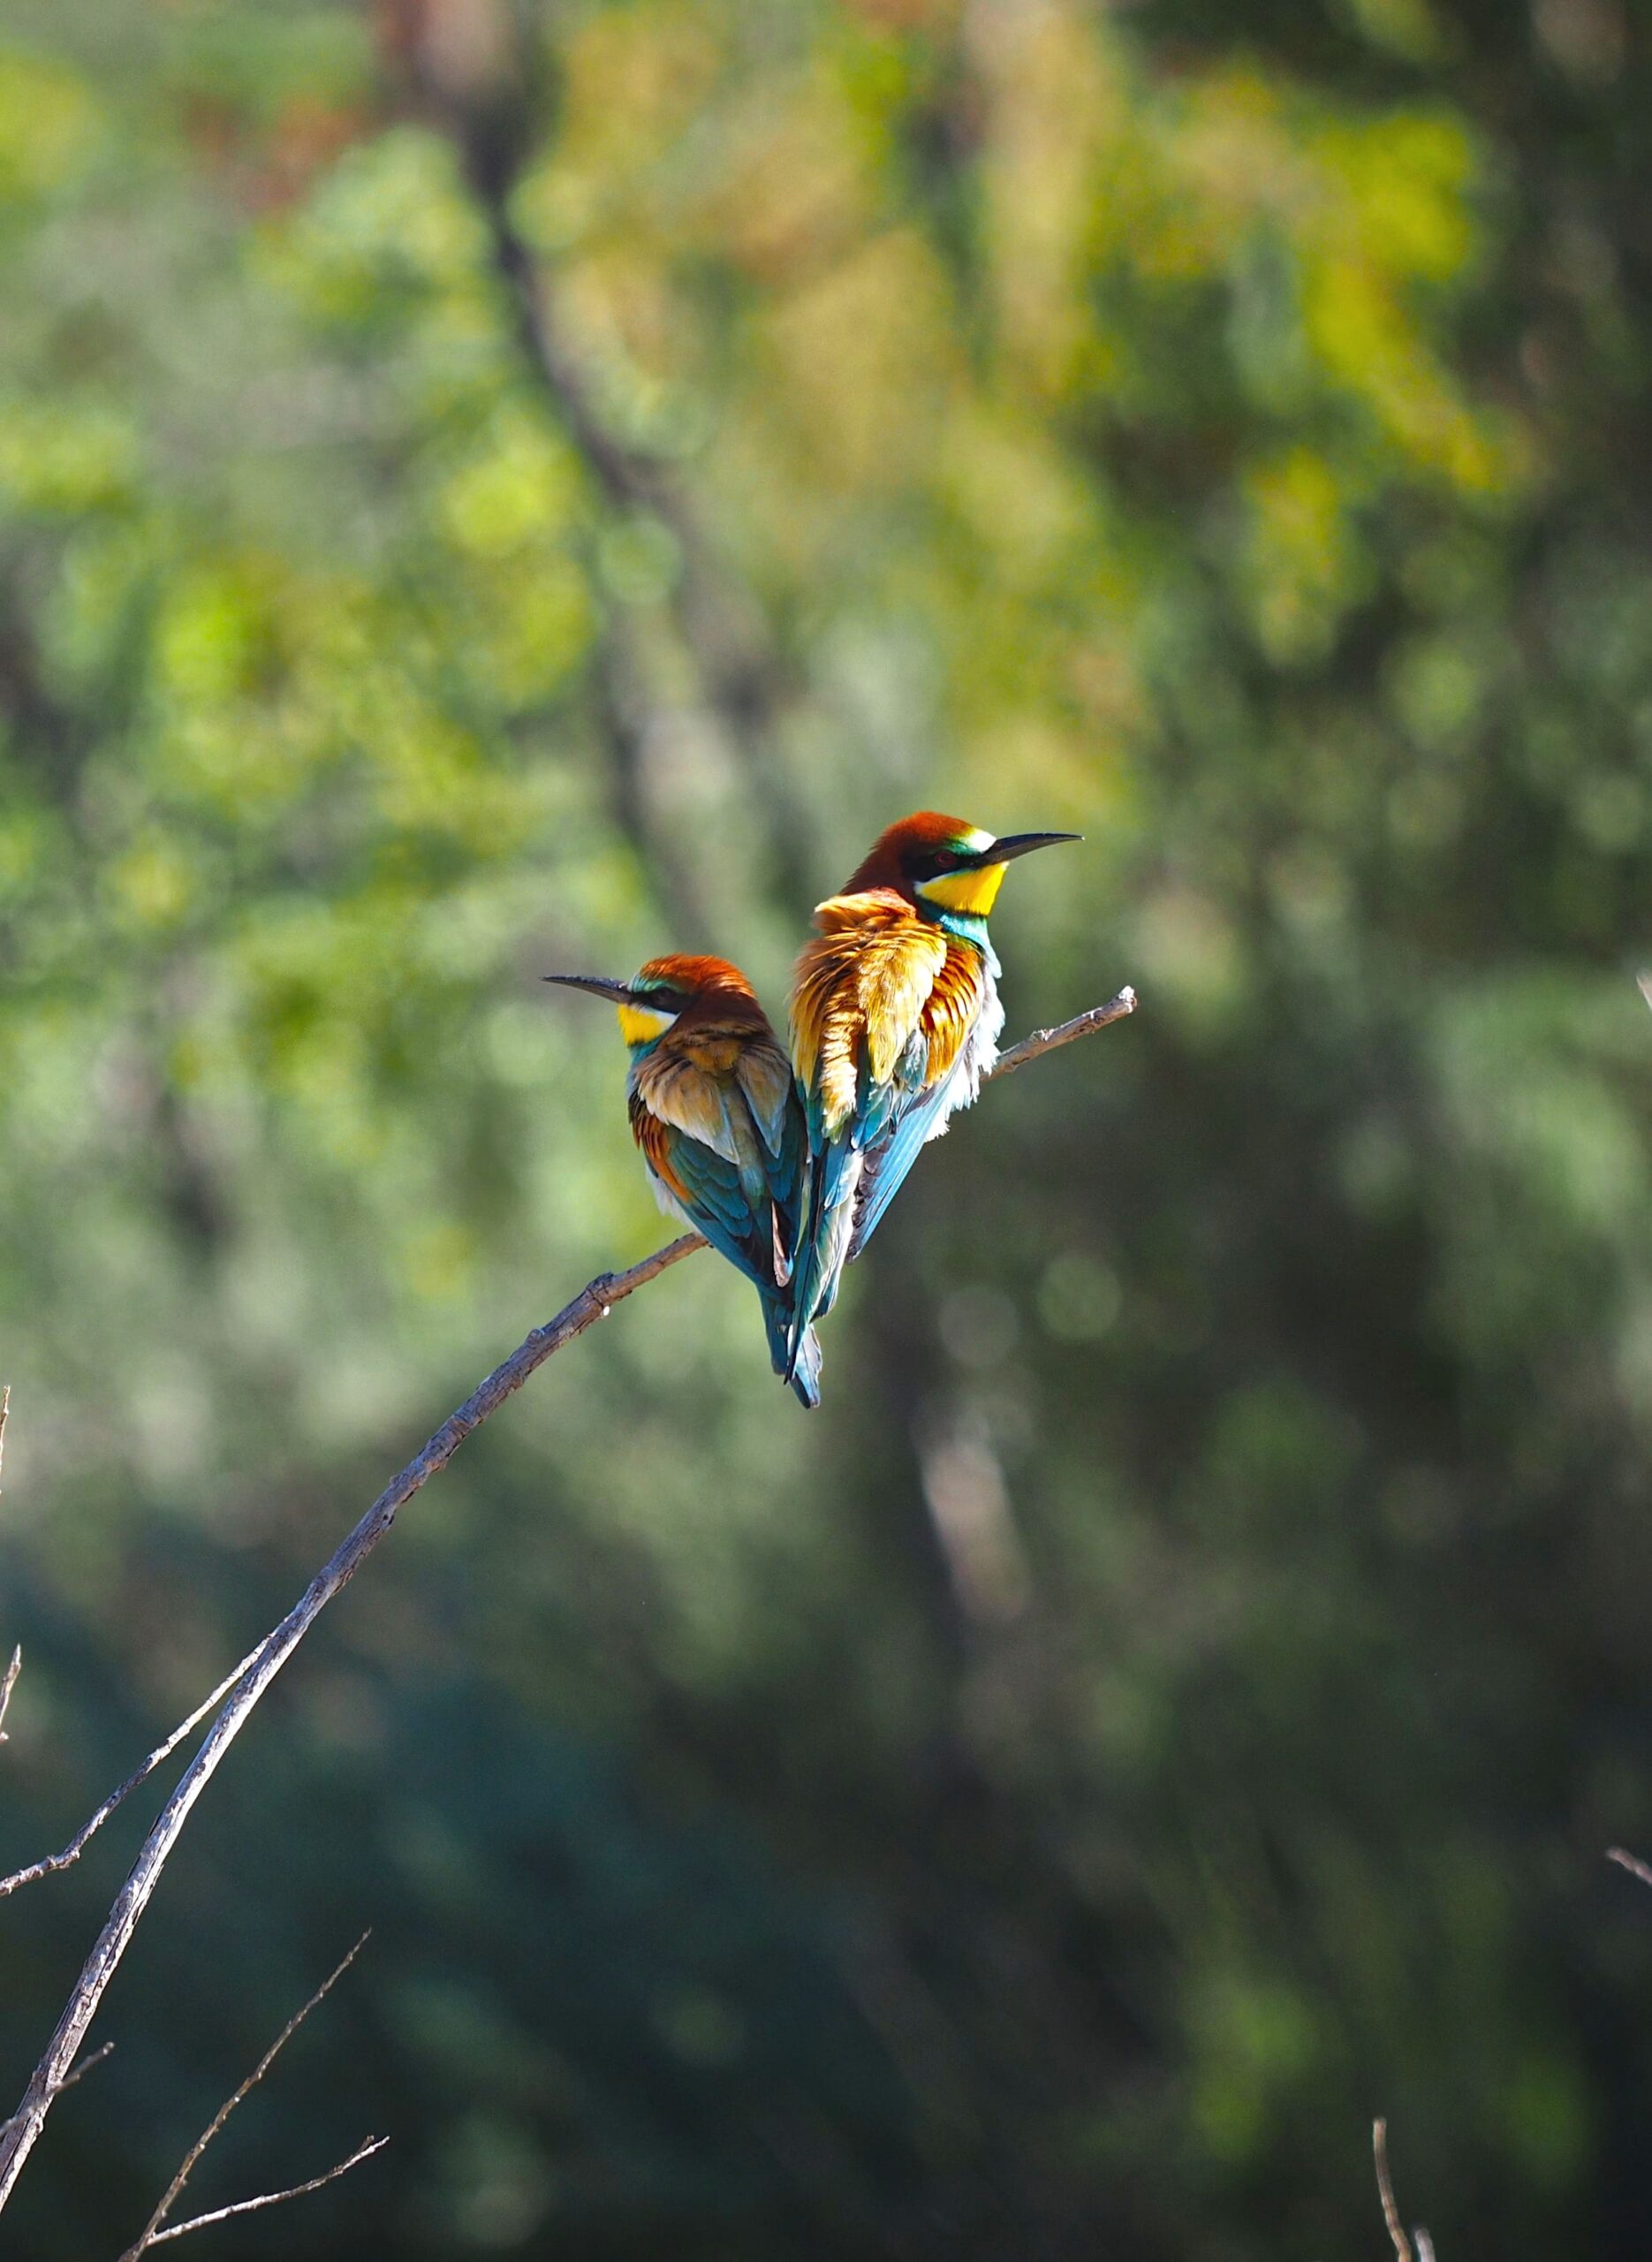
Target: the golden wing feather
(952, 1009)
(677, 1091)
(863, 983)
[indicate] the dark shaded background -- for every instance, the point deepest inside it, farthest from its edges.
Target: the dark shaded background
(484, 488)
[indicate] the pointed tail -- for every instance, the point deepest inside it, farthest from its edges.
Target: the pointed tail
(801, 1368)
(824, 1242)
(806, 1370)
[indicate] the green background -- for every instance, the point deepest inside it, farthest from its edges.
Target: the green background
(488, 490)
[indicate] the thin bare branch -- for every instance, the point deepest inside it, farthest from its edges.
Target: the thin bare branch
(1643, 983)
(1633, 1862)
(363, 2151)
(77, 1844)
(16, 1667)
(8, 1683)
(1424, 2244)
(1385, 2192)
(93, 2058)
(1050, 1040)
(152, 2232)
(594, 1302)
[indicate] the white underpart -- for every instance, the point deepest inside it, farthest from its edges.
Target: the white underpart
(669, 1204)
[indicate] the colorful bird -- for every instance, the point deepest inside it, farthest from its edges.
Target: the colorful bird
(895, 1021)
(715, 1112)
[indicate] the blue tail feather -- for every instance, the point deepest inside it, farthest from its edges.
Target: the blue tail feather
(801, 1367)
(828, 1220)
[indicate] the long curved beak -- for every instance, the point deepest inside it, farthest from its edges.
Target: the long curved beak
(1022, 844)
(599, 985)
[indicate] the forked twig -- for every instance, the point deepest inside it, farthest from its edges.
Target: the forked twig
(77, 1845)
(153, 2233)
(93, 2058)
(363, 2151)
(246, 1688)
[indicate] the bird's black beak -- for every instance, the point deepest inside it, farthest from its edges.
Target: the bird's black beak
(618, 993)
(1022, 844)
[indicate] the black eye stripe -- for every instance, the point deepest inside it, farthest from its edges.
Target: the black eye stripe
(929, 863)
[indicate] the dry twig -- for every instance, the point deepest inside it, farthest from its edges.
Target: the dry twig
(1051, 1040)
(8, 1683)
(594, 1302)
(363, 2151)
(1403, 2246)
(1633, 1862)
(16, 1667)
(153, 2233)
(1385, 2192)
(77, 1845)
(93, 2058)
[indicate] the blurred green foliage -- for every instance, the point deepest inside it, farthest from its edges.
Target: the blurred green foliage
(1171, 1704)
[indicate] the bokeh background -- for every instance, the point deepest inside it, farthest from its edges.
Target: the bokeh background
(490, 488)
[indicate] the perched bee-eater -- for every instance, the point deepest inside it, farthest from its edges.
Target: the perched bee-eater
(715, 1112)
(895, 1021)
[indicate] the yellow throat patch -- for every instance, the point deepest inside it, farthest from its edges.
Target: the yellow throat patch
(973, 893)
(642, 1024)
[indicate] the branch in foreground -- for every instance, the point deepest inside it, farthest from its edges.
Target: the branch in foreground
(1390, 2208)
(153, 2233)
(363, 2151)
(77, 1845)
(1633, 1862)
(14, 1668)
(93, 2058)
(1385, 2192)
(594, 1302)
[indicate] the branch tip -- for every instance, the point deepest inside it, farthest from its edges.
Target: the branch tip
(152, 2233)
(365, 2149)
(8, 1683)
(1385, 2192)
